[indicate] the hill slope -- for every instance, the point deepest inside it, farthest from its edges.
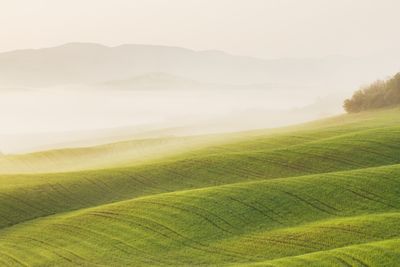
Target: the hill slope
(219, 225)
(320, 194)
(358, 128)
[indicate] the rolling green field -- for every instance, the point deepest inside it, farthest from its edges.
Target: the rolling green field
(325, 193)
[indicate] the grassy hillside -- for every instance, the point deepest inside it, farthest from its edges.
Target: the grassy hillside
(325, 193)
(239, 223)
(144, 151)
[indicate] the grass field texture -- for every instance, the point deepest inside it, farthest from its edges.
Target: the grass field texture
(325, 193)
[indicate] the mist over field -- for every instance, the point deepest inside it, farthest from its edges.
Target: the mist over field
(85, 87)
(48, 112)
(199, 133)
(160, 65)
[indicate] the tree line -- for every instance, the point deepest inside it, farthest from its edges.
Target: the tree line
(381, 93)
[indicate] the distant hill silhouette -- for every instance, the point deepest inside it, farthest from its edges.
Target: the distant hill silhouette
(87, 63)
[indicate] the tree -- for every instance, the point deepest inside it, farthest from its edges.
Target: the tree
(376, 95)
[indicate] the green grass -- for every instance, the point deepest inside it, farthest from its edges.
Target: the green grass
(109, 155)
(325, 193)
(382, 253)
(145, 151)
(223, 224)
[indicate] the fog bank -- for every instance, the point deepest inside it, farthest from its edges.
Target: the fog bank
(26, 115)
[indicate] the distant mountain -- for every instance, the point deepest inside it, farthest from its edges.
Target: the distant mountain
(78, 63)
(87, 63)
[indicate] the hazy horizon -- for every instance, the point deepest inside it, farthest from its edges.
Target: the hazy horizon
(210, 65)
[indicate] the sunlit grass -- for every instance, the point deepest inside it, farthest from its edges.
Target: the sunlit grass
(321, 194)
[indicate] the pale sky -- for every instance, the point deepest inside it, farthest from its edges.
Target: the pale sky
(262, 28)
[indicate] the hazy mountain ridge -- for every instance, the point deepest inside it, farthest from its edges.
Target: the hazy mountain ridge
(83, 63)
